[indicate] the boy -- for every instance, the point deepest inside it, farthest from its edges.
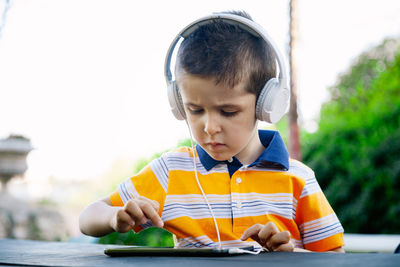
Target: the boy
(238, 186)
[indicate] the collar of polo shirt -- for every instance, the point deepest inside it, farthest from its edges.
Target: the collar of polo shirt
(275, 155)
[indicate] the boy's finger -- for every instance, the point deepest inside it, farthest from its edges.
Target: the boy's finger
(154, 203)
(252, 231)
(123, 217)
(279, 239)
(285, 247)
(135, 212)
(267, 232)
(124, 222)
(151, 213)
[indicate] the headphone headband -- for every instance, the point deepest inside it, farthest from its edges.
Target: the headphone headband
(236, 20)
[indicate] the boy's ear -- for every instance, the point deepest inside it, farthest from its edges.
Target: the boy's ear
(175, 101)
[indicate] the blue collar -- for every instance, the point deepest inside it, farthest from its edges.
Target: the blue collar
(274, 156)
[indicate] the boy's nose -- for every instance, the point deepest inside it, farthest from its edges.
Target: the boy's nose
(212, 125)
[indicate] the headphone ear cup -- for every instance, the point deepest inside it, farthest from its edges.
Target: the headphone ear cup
(175, 101)
(273, 102)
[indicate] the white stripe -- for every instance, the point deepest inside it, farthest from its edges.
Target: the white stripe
(310, 187)
(307, 226)
(183, 161)
(335, 229)
(224, 206)
(300, 170)
(160, 170)
(255, 204)
(278, 197)
(294, 208)
(321, 228)
(127, 191)
(193, 206)
(198, 198)
(204, 241)
(200, 241)
(297, 243)
(123, 192)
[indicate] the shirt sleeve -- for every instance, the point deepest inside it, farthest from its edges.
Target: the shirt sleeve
(151, 182)
(318, 224)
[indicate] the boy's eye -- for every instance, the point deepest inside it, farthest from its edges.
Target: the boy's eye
(228, 113)
(195, 111)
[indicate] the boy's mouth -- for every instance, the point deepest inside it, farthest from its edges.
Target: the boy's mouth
(215, 145)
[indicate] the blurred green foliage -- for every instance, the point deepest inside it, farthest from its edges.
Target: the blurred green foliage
(152, 237)
(356, 151)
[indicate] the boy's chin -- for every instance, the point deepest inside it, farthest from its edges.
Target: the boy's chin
(220, 157)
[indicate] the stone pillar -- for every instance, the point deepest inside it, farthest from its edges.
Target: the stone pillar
(19, 219)
(13, 153)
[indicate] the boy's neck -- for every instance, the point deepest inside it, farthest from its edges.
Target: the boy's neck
(252, 151)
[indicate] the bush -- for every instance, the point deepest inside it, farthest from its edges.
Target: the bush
(355, 152)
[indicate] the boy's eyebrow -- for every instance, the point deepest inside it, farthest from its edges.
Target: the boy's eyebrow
(219, 106)
(229, 106)
(190, 104)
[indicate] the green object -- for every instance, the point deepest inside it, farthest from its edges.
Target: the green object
(152, 237)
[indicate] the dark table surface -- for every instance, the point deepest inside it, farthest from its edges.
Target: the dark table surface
(38, 253)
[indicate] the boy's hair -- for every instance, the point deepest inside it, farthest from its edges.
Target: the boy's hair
(228, 54)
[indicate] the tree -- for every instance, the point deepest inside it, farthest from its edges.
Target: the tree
(355, 152)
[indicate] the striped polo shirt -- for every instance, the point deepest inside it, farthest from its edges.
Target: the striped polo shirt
(273, 188)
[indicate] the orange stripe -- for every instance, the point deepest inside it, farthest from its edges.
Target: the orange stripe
(116, 199)
(317, 207)
(326, 244)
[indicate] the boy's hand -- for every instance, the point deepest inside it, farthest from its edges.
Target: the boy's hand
(135, 212)
(269, 237)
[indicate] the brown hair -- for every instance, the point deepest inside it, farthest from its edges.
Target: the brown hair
(228, 54)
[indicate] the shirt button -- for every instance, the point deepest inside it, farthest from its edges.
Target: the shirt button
(239, 205)
(238, 180)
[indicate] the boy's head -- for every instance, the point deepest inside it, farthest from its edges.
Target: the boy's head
(227, 54)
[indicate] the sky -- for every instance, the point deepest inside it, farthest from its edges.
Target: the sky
(83, 79)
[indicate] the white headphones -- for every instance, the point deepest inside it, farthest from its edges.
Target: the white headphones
(273, 101)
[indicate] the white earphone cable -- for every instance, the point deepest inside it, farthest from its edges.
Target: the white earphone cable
(201, 189)
(241, 251)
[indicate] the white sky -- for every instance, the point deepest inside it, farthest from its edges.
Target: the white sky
(84, 78)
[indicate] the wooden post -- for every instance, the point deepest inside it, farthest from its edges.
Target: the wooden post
(294, 139)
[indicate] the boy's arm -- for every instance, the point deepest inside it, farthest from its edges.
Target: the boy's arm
(95, 219)
(101, 218)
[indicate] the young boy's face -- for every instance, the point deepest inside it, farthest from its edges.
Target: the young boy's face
(222, 118)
